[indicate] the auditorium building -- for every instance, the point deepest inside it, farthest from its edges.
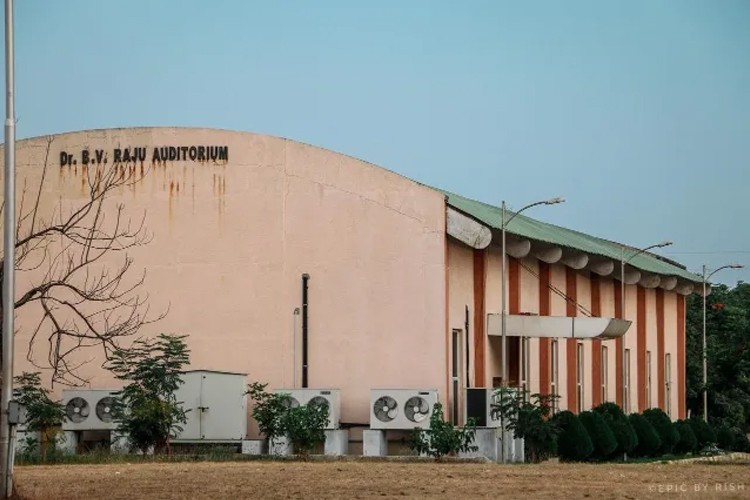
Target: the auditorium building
(402, 281)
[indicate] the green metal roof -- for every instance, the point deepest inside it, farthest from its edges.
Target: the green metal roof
(533, 229)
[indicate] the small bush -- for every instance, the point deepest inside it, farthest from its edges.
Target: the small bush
(573, 443)
(663, 425)
(648, 440)
(43, 415)
(687, 442)
(703, 432)
(601, 435)
(740, 441)
(304, 426)
(620, 426)
(724, 437)
(442, 438)
(529, 418)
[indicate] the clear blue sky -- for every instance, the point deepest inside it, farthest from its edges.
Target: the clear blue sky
(638, 112)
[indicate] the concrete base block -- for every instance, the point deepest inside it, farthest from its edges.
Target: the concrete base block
(69, 442)
(374, 443)
(487, 442)
(281, 447)
(119, 443)
(253, 446)
(512, 449)
(337, 442)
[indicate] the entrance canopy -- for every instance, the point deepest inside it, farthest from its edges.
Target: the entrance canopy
(522, 325)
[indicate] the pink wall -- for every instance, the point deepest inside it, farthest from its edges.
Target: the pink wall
(231, 242)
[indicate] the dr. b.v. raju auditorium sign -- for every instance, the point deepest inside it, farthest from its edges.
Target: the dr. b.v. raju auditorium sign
(140, 154)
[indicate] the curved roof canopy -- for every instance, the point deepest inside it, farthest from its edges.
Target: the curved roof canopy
(552, 243)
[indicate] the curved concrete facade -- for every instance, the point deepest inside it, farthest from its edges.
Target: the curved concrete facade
(232, 238)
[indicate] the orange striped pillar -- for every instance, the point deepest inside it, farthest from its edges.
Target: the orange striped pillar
(571, 290)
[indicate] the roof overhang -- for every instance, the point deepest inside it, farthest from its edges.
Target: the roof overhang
(582, 327)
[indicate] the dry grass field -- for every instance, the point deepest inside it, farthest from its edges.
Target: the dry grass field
(354, 479)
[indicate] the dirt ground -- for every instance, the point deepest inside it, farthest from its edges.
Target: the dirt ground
(235, 480)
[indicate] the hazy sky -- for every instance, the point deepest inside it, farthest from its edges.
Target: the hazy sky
(637, 112)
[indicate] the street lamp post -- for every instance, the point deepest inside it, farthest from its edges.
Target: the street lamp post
(705, 353)
(503, 226)
(623, 262)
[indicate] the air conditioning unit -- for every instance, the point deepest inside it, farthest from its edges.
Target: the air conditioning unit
(328, 397)
(478, 403)
(401, 408)
(88, 409)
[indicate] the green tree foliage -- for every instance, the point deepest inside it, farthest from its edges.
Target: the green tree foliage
(574, 443)
(687, 443)
(663, 426)
(728, 355)
(618, 422)
(443, 438)
(43, 415)
(529, 418)
(649, 442)
(146, 409)
(601, 435)
(704, 434)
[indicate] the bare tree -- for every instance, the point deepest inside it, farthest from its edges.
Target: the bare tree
(82, 299)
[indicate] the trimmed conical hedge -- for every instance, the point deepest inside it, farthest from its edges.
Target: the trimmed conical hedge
(620, 426)
(703, 432)
(648, 440)
(663, 426)
(601, 435)
(573, 442)
(687, 443)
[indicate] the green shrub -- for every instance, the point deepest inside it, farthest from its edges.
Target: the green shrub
(724, 437)
(687, 442)
(620, 426)
(740, 441)
(529, 419)
(268, 410)
(703, 432)
(601, 435)
(442, 438)
(304, 426)
(573, 443)
(648, 440)
(663, 425)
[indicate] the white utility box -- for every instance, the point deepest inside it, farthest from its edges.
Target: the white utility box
(216, 406)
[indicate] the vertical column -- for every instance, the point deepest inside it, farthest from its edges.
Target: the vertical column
(544, 343)
(570, 310)
(681, 410)
(596, 345)
(619, 382)
(660, 349)
(514, 307)
(641, 347)
(480, 278)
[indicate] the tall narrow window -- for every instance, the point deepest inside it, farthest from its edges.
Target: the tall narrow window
(648, 379)
(579, 381)
(605, 373)
(553, 375)
(668, 383)
(456, 375)
(626, 382)
(525, 369)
